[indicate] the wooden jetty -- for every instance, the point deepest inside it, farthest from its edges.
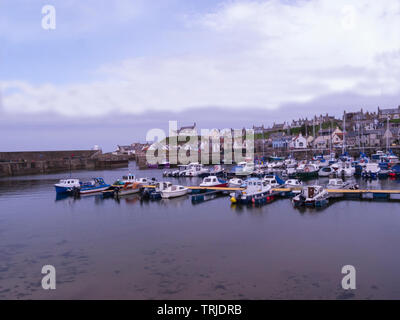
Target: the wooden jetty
(347, 193)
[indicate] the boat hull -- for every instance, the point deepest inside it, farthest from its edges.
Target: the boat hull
(94, 190)
(173, 194)
(63, 190)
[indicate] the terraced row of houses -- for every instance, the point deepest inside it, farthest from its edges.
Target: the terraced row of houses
(353, 129)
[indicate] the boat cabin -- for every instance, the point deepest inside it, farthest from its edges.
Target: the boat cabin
(335, 183)
(129, 178)
(311, 191)
(293, 182)
(69, 182)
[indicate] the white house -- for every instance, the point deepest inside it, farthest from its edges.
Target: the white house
(299, 142)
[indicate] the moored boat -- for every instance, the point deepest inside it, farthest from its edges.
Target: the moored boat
(174, 191)
(236, 182)
(371, 171)
(313, 196)
(213, 181)
(127, 188)
(257, 191)
(67, 185)
(154, 193)
(94, 186)
(308, 171)
(326, 171)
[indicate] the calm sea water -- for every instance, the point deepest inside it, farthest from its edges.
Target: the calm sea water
(172, 249)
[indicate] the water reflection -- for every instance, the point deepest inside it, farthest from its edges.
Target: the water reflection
(173, 249)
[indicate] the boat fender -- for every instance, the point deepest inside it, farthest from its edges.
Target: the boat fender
(233, 199)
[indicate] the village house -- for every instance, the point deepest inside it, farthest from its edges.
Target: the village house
(337, 138)
(393, 113)
(352, 139)
(360, 120)
(390, 137)
(299, 142)
(320, 142)
(280, 140)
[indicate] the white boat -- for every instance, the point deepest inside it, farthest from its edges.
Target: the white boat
(174, 191)
(244, 168)
(293, 183)
(347, 170)
(155, 193)
(326, 171)
(129, 178)
(148, 181)
(213, 181)
(314, 196)
(271, 181)
(67, 185)
(337, 184)
(257, 191)
(196, 169)
(235, 182)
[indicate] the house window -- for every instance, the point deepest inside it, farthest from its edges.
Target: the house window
(300, 144)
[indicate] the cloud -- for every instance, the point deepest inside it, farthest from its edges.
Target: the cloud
(248, 54)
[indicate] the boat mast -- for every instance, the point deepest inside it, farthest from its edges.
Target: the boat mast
(344, 132)
(387, 134)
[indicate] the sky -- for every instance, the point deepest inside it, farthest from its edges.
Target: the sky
(112, 70)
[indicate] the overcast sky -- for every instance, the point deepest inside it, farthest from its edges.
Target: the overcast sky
(111, 70)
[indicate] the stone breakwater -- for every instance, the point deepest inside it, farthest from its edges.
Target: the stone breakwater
(41, 162)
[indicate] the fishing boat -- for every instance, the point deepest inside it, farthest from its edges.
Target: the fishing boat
(126, 188)
(174, 191)
(313, 196)
(194, 169)
(274, 181)
(347, 169)
(236, 183)
(213, 181)
(67, 185)
(338, 184)
(293, 183)
(130, 178)
(93, 186)
(308, 171)
(154, 193)
(371, 171)
(146, 181)
(326, 171)
(257, 191)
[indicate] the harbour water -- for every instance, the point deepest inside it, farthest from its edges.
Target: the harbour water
(173, 249)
